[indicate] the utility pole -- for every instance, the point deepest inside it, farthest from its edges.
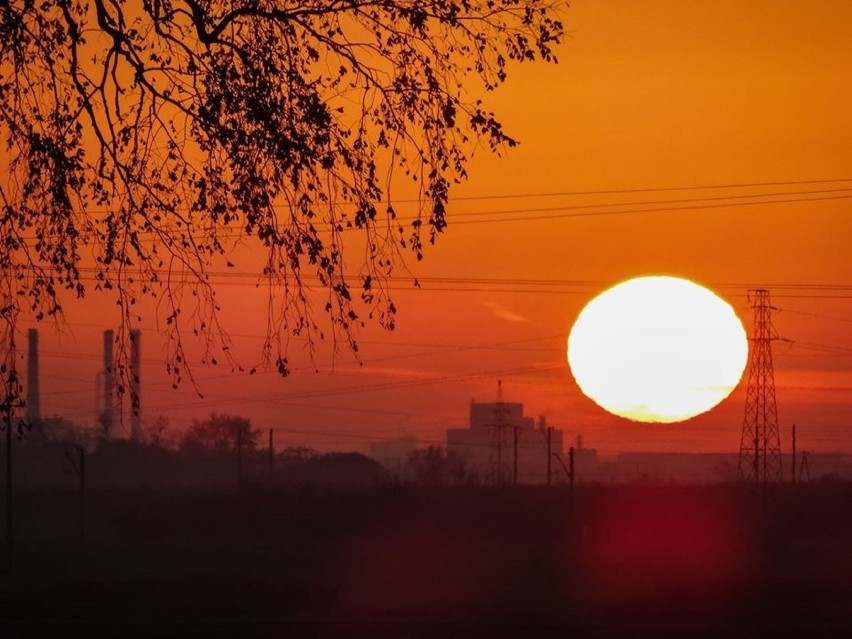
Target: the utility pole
(515, 457)
(79, 466)
(804, 469)
(271, 458)
(760, 447)
(793, 476)
(549, 454)
(571, 468)
(501, 425)
(498, 433)
(33, 403)
(82, 462)
(239, 455)
(571, 476)
(135, 385)
(10, 526)
(109, 385)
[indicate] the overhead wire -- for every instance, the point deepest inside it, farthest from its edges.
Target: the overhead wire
(369, 388)
(690, 204)
(804, 290)
(834, 318)
(718, 198)
(691, 207)
(694, 187)
(277, 397)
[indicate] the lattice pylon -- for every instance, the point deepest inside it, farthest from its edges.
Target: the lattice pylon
(760, 446)
(499, 443)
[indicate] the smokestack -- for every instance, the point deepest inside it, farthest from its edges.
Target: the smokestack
(109, 385)
(33, 410)
(135, 368)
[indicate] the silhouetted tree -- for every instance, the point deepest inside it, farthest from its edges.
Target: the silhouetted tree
(220, 433)
(349, 469)
(437, 466)
(58, 428)
(145, 140)
(298, 454)
(159, 434)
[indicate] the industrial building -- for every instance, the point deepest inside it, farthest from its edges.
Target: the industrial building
(504, 446)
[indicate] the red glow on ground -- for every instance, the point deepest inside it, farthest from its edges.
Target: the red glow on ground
(647, 543)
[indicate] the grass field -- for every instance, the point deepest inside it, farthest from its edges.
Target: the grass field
(636, 560)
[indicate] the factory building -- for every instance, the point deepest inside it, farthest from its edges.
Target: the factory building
(502, 443)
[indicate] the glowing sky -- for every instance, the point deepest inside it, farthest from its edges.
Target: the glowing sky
(648, 95)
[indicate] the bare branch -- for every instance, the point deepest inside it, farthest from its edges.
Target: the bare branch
(145, 141)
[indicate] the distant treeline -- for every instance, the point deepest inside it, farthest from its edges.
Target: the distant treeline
(222, 449)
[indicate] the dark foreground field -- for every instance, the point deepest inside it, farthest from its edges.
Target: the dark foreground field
(638, 561)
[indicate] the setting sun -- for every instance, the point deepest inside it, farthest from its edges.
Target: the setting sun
(657, 349)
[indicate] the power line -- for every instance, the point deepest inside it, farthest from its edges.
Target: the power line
(718, 198)
(487, 284)
(596, 284)
(382, 438)
(578, 193)
(328, 226)
(817, 315)
(368, 388)
(484, 289)
(280, 398)
(697, 187)
(839, 350)
(693, 207)
(509, 345)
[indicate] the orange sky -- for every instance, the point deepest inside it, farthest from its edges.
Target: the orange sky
(656, 94)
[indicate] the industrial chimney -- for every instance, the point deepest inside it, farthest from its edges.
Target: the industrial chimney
(108, 415)
(33, 408)
(135, 373)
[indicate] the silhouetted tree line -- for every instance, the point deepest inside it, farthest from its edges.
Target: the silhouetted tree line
(437, 466)
(221, 449)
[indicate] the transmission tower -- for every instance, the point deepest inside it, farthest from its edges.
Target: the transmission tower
(804, 469)
(760, 447)
(499, 423)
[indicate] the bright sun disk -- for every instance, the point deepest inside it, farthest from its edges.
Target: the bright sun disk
(657, 349)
